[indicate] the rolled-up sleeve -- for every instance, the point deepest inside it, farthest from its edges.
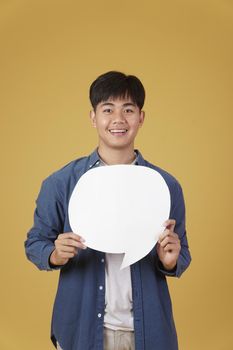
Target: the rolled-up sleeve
(48, 223)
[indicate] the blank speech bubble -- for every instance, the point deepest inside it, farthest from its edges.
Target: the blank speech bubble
(120, 209)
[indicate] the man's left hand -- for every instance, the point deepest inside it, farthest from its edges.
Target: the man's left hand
(168, 246)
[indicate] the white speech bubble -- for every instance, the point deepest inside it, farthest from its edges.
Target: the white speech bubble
(120, 209)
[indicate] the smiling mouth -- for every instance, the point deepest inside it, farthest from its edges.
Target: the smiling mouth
(118, 131)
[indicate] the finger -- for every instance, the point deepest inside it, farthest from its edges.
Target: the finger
(71, 235)
(67, 249)
(168, 240)
(164, 234)
(79, 238)
(69, 243)
(171, 247)
(67, 255)
(170, 224)
(168, 234)
(175, 235)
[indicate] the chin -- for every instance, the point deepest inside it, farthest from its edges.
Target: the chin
(119, 146)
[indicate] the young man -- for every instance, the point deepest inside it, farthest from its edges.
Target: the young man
(97, 305)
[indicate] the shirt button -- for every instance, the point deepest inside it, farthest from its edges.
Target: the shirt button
(100, 287)
(102, 260)
(99, 315)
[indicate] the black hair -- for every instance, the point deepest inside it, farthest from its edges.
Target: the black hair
(115, 84)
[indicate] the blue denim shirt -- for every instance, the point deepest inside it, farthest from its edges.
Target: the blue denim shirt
(78, 314)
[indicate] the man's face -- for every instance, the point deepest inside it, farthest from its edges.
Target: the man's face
(117, 122)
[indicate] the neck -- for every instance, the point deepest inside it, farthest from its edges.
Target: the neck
(116, 156)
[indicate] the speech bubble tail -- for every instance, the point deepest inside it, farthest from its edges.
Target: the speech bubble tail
(132, 256)
(124, 264)
(130, 259)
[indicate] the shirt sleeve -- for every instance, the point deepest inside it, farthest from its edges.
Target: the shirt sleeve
(178, 213)
(48, 223)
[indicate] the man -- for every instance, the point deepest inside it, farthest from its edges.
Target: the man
(97, 305)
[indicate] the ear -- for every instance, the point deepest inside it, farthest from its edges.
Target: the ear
(141, 118)
(93, 118)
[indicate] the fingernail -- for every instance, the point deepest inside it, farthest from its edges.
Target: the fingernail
(82, 239)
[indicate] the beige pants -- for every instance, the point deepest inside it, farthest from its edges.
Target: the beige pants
(116, 340)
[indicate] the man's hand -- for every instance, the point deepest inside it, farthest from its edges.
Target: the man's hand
(168, 246)
(66, 247)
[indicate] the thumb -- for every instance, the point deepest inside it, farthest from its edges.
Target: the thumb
(170, 224)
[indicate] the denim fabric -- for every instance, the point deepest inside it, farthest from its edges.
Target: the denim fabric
(78, 313)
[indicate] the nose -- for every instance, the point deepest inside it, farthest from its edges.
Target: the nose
(118, 117)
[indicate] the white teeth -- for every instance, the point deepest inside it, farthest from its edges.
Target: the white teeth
(116, 131)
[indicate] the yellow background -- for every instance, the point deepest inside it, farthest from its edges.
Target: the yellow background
(182, 50)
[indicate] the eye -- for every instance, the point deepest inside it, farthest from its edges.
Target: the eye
(129, 110)
(107, 110)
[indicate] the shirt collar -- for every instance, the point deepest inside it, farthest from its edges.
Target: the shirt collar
(139, 160)
(94, 159)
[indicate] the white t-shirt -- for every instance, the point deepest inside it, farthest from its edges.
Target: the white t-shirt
(118, 292)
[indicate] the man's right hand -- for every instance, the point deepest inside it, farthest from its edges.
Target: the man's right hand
(66, 247)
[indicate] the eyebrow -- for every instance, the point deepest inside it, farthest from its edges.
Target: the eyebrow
(112, 104)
